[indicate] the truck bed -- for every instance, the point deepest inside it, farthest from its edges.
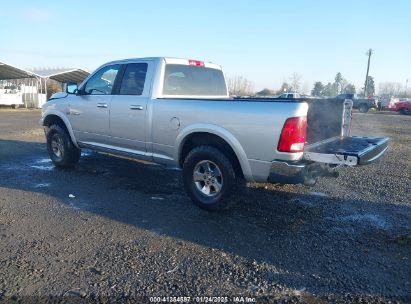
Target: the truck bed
(324, 117)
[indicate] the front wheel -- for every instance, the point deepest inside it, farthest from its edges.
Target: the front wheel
(210, 179)
(61, 149)
(363, 108)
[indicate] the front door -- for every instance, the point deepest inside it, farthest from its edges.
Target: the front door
(89, 111)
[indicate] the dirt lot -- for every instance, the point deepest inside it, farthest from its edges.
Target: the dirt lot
(130, 230)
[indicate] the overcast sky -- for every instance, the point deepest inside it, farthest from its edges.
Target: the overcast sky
(265, 41)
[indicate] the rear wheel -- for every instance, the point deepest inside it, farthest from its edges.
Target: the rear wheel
(15, 106)
(210, 179)
(61, 149)
(363, 108)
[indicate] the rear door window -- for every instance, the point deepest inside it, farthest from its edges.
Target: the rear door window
(134, 79)
(193, 80)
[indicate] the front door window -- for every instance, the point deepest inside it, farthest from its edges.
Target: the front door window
(102, 82)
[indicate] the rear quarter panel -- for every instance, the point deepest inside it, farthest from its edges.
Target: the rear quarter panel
(251, 128)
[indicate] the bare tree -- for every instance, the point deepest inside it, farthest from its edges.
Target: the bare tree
(344, 84)
(295, 81)
(390, 88)
(239, 86)
(305, 88)
(285, 87)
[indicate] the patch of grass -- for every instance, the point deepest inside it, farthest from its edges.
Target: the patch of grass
(403, 239)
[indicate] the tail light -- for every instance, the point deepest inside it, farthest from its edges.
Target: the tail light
(293, 135)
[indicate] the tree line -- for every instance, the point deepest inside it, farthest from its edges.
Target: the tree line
(394, 89)
(241, 86)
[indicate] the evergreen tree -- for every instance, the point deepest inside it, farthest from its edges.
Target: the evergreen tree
(318, 89)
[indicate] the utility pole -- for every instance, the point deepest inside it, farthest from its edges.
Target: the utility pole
(369, 53)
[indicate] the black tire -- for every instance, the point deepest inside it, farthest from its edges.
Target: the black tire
(404, 111)
(15, 106)
(61, 149)
(363, 108)
(230, 183)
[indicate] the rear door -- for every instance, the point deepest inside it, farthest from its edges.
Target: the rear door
(128, 108)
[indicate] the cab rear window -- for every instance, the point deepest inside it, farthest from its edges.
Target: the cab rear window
(193, 80)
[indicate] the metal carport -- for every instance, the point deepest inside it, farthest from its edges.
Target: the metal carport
(64, 75)
(10, 72)
(38, 79)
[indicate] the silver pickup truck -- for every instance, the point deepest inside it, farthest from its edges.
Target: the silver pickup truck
(178, 113)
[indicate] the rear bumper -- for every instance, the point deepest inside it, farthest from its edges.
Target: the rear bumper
(300, 173)
(287, 173)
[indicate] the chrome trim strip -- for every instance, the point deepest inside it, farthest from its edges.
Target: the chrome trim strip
(377, 156)
(379, 143)
(129, 152)
(322, 142)
(336, 159)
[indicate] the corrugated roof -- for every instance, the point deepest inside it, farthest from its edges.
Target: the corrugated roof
(74, 75)
(45, 72)
(8, 71)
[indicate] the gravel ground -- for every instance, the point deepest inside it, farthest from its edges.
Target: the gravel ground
(112, 229)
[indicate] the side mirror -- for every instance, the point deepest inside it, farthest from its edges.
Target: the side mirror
(71, 88)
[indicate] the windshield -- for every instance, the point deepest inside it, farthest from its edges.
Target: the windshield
(193, 80)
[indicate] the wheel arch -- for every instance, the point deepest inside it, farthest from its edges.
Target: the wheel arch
(55, 117)
(216, 136)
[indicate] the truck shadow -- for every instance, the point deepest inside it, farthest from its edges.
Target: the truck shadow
(302, 238)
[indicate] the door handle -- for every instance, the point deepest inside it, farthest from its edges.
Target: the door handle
(136, 107)
(102, 105)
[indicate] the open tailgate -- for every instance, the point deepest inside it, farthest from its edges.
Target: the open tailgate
(350, 151)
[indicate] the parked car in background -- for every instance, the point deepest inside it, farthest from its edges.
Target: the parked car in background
(289, 95)
(392, 103)
(362, 104)
(383, 102)
(403, 106)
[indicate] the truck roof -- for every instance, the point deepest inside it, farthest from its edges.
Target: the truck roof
(168, 60)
